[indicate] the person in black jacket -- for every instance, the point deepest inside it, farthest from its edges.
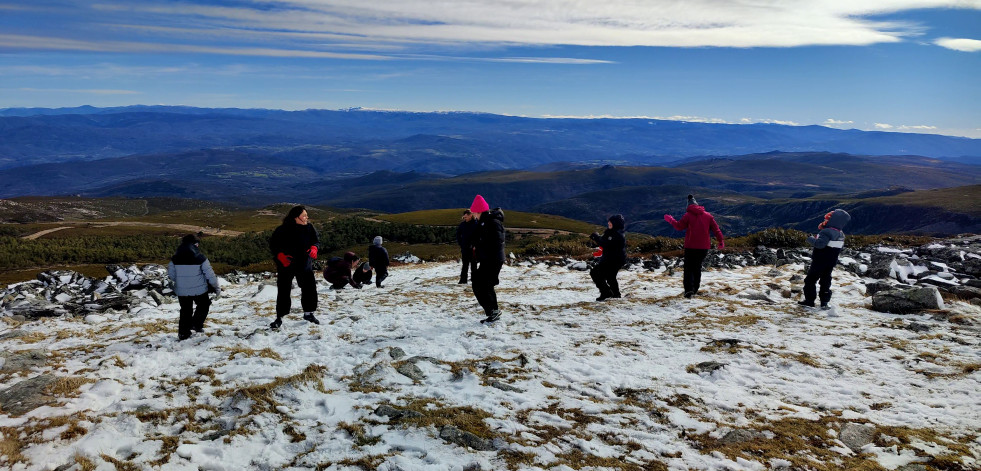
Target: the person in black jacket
(294, 246)
(338, 272)
(378, 259)
(614, 247)
(464, 237)
(362, 275)
(489, 243)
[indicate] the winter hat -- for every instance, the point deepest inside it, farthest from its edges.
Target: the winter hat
(691, 200)
(479, 205)
(377, 240)
(350, 257)
(618, 222)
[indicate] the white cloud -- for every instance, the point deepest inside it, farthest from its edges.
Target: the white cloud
(317, 28)
(916, 128)
(959, 44)
(835, 122)
(86, 91)
(883, 126)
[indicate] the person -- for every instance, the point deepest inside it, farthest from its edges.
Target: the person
(699, 226)
(193, 278)
(294, 245)
(488, 241)
(464, 237)
(378, 259)
(338, 271)
(827, 246)
(363, 274)
(613, 249)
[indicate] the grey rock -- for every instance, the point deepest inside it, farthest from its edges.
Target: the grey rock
(18, 318)
(912, 467)
(706, 367)
(23, 360)
(393, 413)
(974, 283)
(411, 371)
(506, 387)
(880, 266)
(976, 301)
(878, 286)
(774, 273)
(917, 327)
(396, 353)
(467, 439)
(855, 435)
(964, 292)
(905, 301)
(740, 436)
(13, 334)
(27, 395)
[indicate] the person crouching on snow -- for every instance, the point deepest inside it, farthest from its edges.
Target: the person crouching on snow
(827, 246)
(193, 278)
(488, 241)
(614, 248)
(698, 226)
(338, 271)
(378, 259)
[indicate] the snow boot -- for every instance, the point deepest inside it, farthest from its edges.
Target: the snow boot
(493, 316)
(309, 317)
(276, 323)
(805, 303)
(689, 294)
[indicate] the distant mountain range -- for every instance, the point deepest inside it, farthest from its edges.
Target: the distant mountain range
(357, 141)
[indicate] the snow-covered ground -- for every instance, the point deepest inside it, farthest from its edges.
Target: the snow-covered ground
(561, 382)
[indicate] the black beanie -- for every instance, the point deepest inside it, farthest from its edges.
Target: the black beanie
(691, 200)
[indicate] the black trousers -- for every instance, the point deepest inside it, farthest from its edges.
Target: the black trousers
(605, 277)
(469, 264)
(693, 269)
(308, 290)
(820, 271)
(381, 275)
(485, 278)
(192, 318)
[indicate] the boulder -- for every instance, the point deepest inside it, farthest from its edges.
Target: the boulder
(905, 301)
(741, 436)
(27, 395)
(878, 286)
(394, 413)
(23, 360)
(855, 435)
(467, 439)
(705, 367)
(880, 266)
(411, 371)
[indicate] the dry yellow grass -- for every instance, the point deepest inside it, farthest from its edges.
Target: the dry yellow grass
(249, 352)
(67, 386)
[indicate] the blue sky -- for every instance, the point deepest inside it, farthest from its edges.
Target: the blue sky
(894, 65)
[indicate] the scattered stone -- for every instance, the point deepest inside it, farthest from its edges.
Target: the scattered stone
(396, 353)
(740, 436)
(23, 360)
(27, 395)
(467, 439)
(393, 413)
(878, 286)
(905, 301)
(13, 334)
(917, 327)
(411, 371)
(774, 273)
(855, 435)
(506, 387)
(912, 467)
(705, 367)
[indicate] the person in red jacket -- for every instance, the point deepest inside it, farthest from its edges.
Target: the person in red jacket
(294, 247)
(699, 226)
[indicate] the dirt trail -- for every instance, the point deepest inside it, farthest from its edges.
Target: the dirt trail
(182, 227)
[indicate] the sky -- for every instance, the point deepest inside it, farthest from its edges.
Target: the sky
(887, 65)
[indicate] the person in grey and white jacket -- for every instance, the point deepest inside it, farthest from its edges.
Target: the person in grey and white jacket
(193, 278)
(827, 246)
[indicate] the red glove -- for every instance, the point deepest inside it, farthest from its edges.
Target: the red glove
(722, 245)
(284, 259)
(598, 252)
(669, 218)
(312, 252)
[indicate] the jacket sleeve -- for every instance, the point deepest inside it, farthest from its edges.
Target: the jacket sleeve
(172, 272)
(209, 274)
(316, 237)
(274, 241)
(821, 241)
(385, 259)
(714, 226)
(682, 224)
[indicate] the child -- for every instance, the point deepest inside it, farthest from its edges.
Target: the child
(193, 277)
(338, 271)
(363, 274)
(613, 254)
(827, 246)
(378, 259)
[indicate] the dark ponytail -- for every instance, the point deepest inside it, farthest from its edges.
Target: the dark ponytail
(294, 213)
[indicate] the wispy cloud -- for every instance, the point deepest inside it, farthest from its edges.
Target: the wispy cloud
(883, 126)
(324, 29)
(85, 91)
(905, 127)
(959, 44)
(836, 122)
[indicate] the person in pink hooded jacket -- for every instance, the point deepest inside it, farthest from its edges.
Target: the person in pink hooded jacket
(699, 226)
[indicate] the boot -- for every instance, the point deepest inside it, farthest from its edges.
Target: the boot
(689, 294)
(493, 316)
(806, 303)
(309, 317)
(276, 323)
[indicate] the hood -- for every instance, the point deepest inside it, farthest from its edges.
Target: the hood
(839, 218)
(696, 209)
(187, 254)
(495, 213)
(618, 222)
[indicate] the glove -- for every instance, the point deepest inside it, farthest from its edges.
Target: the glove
(356, 285)
(284, 259)
(669, 218)
(312, 252)
(722, 245)
(217, 294)
(594, 235)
